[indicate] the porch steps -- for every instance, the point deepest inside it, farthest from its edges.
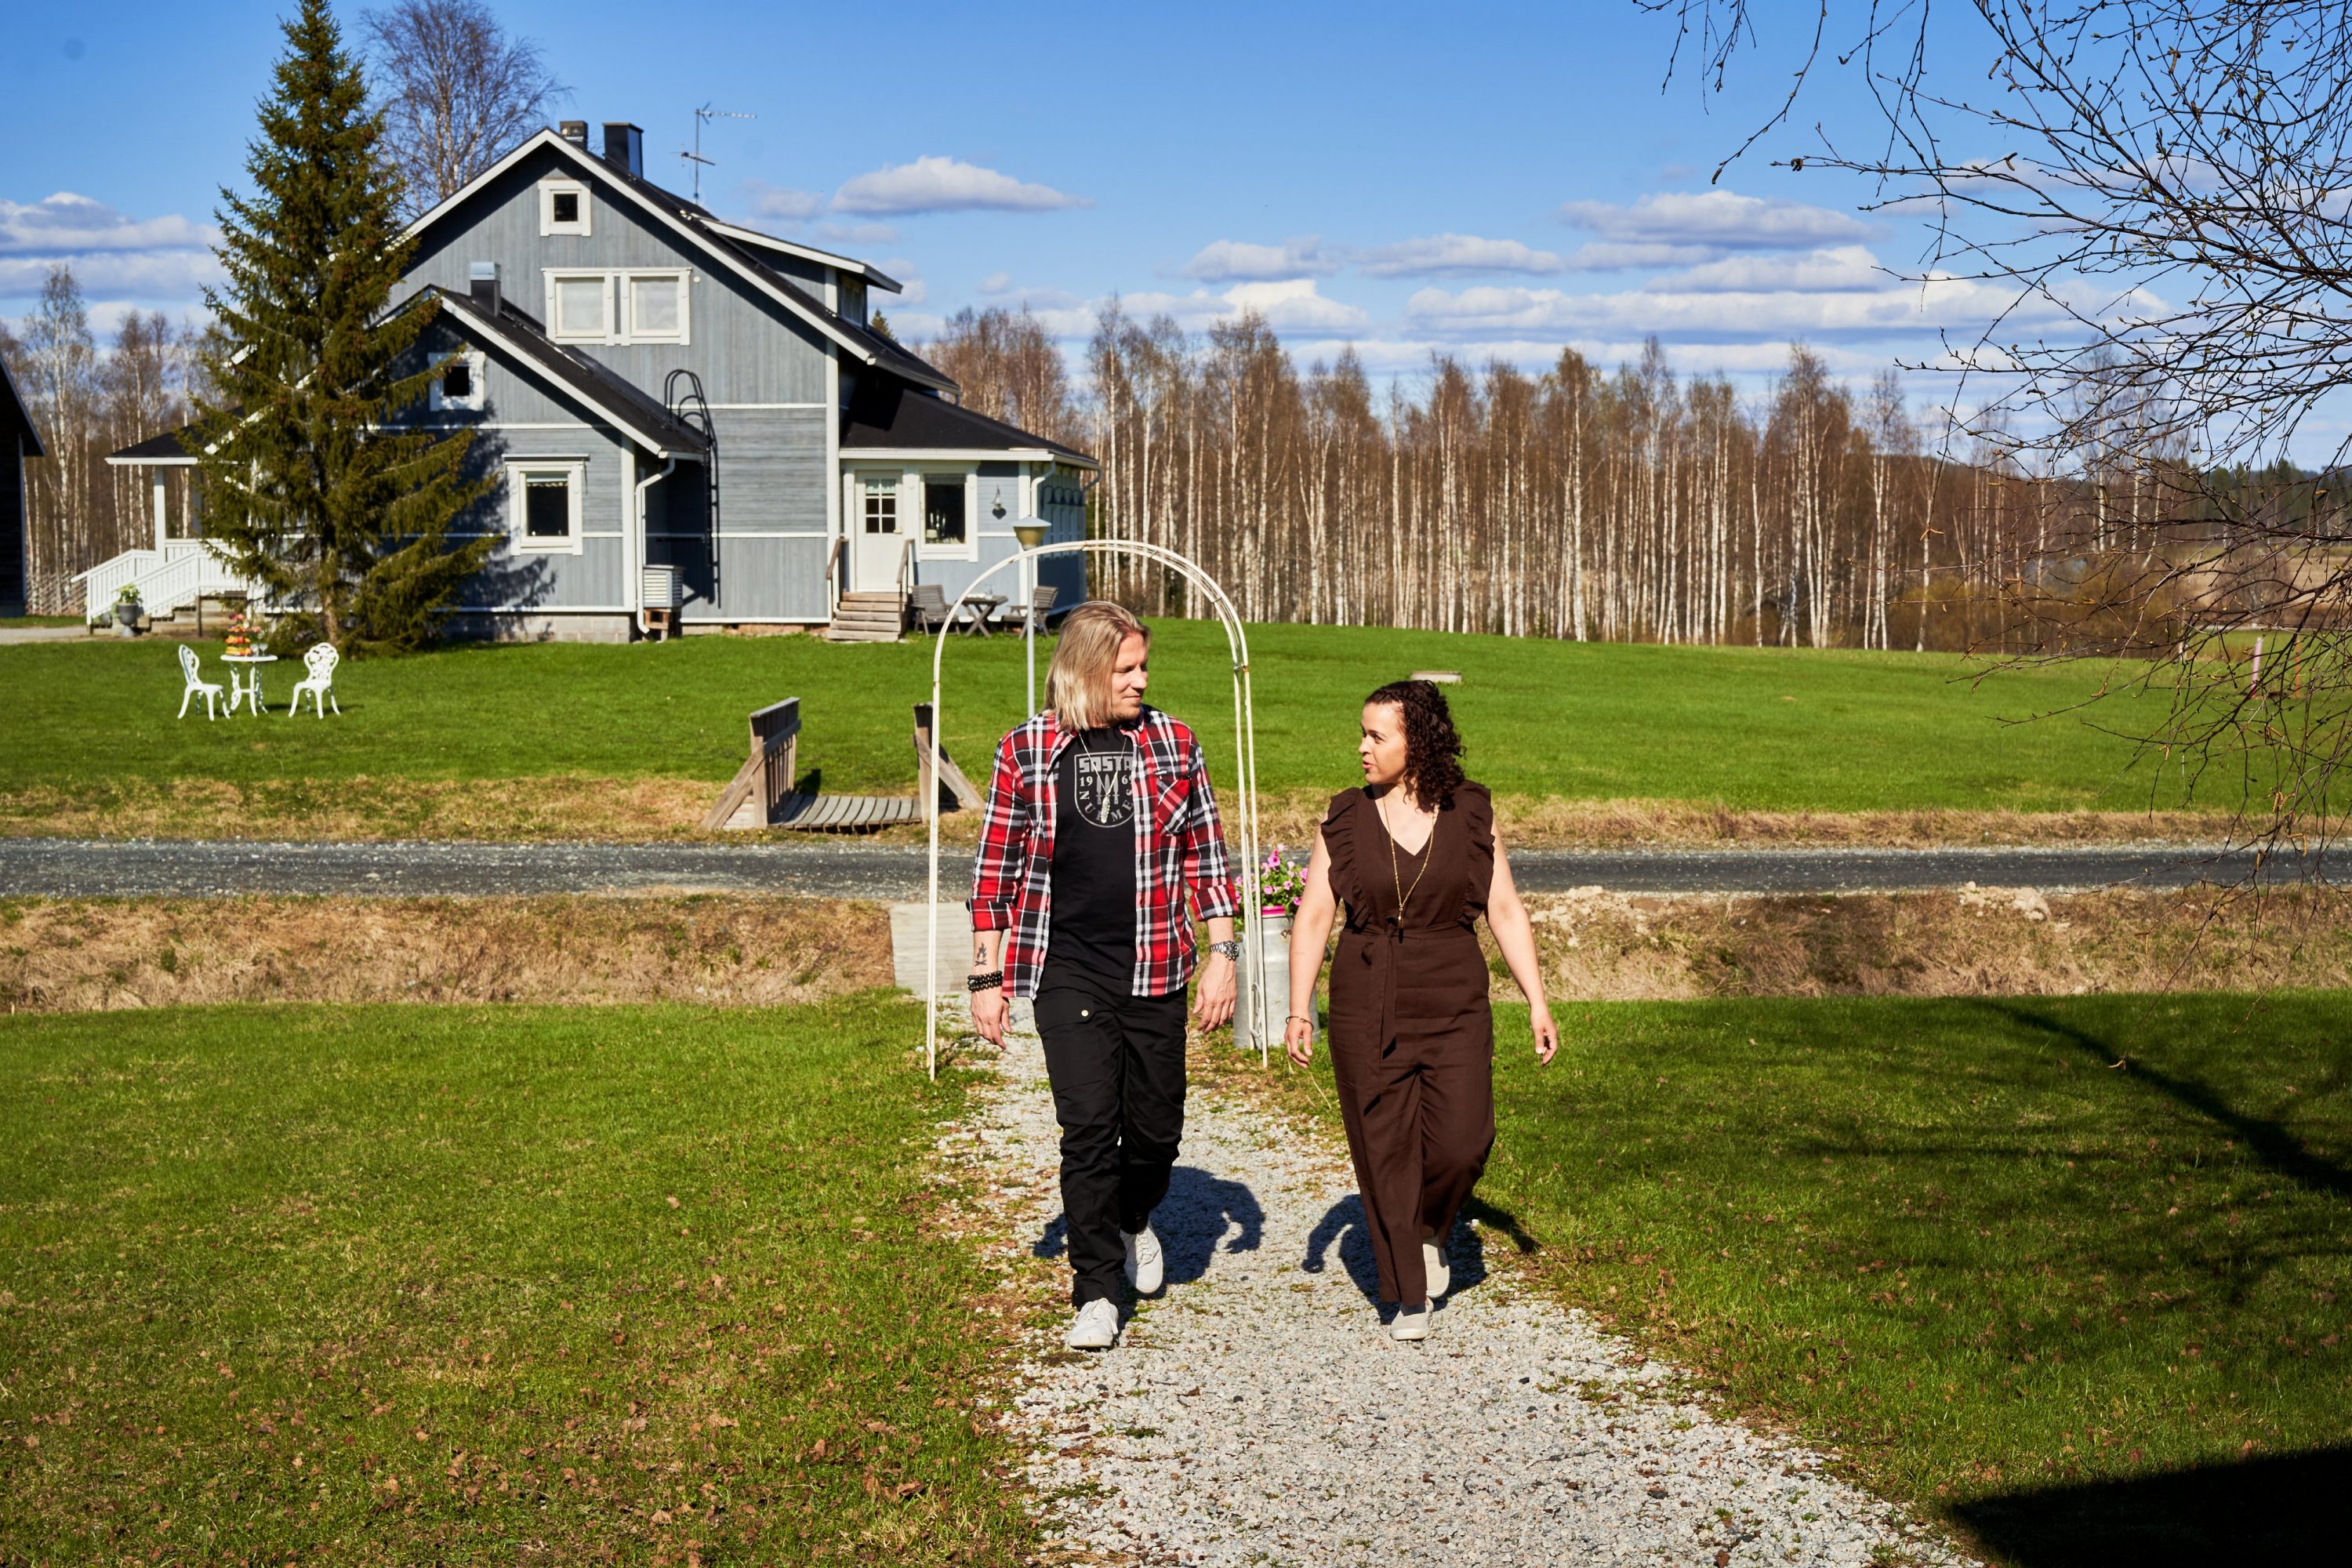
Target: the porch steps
(868, 618)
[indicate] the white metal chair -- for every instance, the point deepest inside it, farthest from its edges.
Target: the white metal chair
(196, 686)
(320, 662)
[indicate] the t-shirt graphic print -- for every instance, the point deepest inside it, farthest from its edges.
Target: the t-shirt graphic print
(1093, 923)
(1105, 786)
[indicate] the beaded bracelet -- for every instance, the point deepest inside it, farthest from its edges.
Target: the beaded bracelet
(987, 982)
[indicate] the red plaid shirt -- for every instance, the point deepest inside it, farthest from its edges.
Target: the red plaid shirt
(1179, 850)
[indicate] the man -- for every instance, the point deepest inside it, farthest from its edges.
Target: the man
(1100, 830)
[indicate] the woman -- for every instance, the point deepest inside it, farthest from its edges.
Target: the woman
(1415, 857)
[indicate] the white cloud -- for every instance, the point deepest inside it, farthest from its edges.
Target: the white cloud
(69, 225)
(1232, 261)
(996, 283)
(931, 185)
(912, 290)
(1454, 253)
(1715, 218)
(114, 255)
(1845, 267)
(781, 203)
(1617, 256)
(1295, 306)
(1892, 307)
(858, 233)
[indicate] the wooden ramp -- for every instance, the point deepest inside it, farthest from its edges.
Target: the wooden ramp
(763, 794)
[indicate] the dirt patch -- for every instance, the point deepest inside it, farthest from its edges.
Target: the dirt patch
(1988, 942)
(640, 810)
(80, 955)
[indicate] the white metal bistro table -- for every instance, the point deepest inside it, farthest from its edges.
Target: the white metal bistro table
(250, 690)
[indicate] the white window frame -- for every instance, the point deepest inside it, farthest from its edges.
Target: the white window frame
(440, 402)
(548, 191)
(521, 471)
(619, 329)
(866, 486)
(559, 275)
(915, 479)
(625, 283)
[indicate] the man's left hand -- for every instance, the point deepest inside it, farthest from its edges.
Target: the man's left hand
(1212, 1003)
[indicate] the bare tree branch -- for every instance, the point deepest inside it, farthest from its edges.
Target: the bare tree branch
(456, 92)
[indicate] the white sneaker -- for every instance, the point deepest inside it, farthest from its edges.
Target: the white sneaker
(1096, 1328)
(1433, 1265)
(1145, 1268)
(1409, 1323)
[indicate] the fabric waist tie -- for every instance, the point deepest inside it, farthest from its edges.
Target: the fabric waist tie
(1383, 948)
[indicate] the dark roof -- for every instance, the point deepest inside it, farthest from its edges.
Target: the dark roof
(887, 351)
(14, 416)
(516, 334)
(887, 413)
(705, 225)
(618, 398)
(164, 448)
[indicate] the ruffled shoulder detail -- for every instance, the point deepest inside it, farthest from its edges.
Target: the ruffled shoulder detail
(1477, 809)
(1339, 836)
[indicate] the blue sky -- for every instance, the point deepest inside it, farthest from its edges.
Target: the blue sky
(1485, 180)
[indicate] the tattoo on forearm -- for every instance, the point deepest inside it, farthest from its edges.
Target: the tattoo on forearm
(979, 951)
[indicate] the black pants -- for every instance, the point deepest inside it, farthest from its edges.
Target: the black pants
(1117, 1063)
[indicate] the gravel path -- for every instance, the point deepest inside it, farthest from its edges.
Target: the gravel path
(197, 868)
(1258, 1413)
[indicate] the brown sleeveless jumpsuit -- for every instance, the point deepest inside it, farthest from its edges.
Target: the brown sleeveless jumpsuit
(1412, 1037)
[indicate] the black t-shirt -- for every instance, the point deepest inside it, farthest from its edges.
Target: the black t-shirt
(1093, 924)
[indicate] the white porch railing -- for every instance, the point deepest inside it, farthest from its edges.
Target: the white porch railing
(168, 580)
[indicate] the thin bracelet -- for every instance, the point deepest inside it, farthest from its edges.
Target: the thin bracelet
(1302, 1018)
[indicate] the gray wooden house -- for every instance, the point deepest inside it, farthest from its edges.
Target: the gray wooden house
(657, 388)
(18, 441)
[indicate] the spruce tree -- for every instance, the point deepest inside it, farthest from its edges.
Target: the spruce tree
(307, 482)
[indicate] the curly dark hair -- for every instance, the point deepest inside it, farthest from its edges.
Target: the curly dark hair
(1433, 747)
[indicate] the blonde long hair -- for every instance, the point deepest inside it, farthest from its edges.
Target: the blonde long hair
(1078, 683)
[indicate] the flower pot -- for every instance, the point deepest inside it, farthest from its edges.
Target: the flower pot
(1264, 994)
(126, 617)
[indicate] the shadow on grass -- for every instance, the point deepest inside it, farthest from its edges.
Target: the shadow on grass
(2268, 1140)
(2266, 1511)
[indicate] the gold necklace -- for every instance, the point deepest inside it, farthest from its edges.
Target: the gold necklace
(1396, 873)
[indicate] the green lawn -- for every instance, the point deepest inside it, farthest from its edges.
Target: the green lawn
(409, 1284)
(2076, 1272)
(40, 620)
(1751, 728)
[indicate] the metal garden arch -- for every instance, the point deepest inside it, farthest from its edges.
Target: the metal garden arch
(1254, 994)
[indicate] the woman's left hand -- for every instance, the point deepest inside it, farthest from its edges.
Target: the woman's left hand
(1547, 1033)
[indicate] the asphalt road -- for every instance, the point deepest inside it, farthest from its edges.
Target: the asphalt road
(62, 868)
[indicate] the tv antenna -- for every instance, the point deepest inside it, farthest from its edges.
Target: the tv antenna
(694, 157)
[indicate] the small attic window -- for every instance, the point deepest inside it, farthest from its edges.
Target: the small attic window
(563, 207)
(459, 384)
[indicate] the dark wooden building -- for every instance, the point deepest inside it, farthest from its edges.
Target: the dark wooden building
(17, 443)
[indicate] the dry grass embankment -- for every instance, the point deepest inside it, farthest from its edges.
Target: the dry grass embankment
(1989, 942)
(599, 810)
(78, 955)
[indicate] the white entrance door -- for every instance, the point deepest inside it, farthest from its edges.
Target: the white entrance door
(875, 541)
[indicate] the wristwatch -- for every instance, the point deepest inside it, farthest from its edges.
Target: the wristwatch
(1232, 950)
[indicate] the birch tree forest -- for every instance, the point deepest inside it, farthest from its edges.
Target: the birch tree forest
(1622, 503)
(88, 399)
